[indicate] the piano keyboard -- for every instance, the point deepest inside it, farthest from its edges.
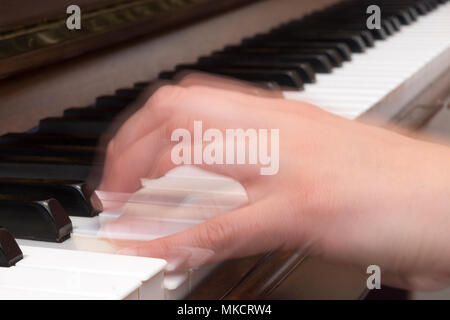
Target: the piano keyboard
(338, 65)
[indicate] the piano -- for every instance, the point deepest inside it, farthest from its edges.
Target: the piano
(61, 90)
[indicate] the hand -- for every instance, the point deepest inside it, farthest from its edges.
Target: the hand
(352, 192)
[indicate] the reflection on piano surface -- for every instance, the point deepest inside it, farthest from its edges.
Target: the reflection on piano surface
(327, 58)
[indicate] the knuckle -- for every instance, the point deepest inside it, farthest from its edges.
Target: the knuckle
(166, 96)
(215, 235)
(110, 149)
(190, 78)
(182, 121)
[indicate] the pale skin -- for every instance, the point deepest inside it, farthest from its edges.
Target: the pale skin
(351, 192)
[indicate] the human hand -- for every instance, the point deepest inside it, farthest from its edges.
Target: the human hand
(352, 192)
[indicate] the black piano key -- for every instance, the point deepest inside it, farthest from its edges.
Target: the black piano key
(280, 77)
(405, 16)
(365, 35)
(387, 25)
(283, 78)
(10, 252)
(433, 3)
(86, 153)
(43, 167)
(77, 198)
(118, 101)
(395, 21)
(354, 41)
(409, 11)
(341, 47)
(320, 63)
(34, 218)
(133, 93)
(379, 34)
(332, 54)
(49, 139)
(343, 25)
(98, 112)
(75, 125)
(170, 75)
(303, 70)
(421, 8)
(142, 85)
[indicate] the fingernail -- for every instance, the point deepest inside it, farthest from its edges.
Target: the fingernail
(174, 264)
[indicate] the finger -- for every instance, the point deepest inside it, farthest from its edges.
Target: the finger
(154, 155)
(246, 231)
(196, 78)
(245, 174)
(122, 171)
(171, 100)
(124, 165)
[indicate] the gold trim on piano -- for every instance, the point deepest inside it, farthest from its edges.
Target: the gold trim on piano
(42, 42)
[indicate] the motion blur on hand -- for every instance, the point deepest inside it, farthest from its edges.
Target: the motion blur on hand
(348, 191)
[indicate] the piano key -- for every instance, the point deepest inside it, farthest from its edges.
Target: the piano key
(340, 47)
(343, 24)
(332, 54)
(176, 285)
(149, 271)
(86, 153)
(89, 285)
(421, 8)
(34, 218)
(132, 93)
(75, 125)
(382, 70)
(303, 70)
(283, 78)
(77, 198)
(142, 85)
(45, 167)
(320, 63)
(10, 252)
(359, 39)
(388, 27)
(86, 237)
(118, 101)
(9, 293)
(97, 112)
(396, 23)
(49, 139)
(355, 42)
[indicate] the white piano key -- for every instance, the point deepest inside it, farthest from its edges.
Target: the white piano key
(8, 293)
(89, 285)
(176, 285)
(147, 270)
(381, 80)
(394, 65)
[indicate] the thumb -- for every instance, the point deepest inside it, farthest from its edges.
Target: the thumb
(243, 232)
